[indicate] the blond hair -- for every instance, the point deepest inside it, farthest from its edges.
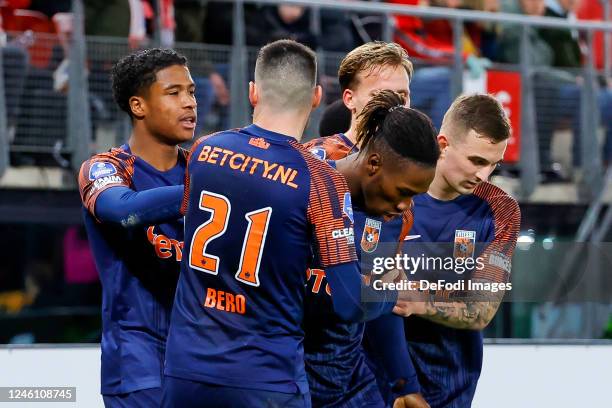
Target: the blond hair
(370, 56)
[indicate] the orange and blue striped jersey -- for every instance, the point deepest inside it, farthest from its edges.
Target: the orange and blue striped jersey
(257, 205)
(334, 147)
(138, 268)
(335, 363)
(482, 224)
(338, 147)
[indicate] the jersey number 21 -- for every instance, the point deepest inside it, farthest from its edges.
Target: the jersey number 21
(252, 246)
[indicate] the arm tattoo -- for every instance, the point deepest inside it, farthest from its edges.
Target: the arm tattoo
(474, 313)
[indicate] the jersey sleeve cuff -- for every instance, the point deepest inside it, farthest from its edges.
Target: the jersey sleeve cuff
(405, 386)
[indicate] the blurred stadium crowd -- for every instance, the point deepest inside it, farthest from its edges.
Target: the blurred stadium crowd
(53, 266)
(36, 56)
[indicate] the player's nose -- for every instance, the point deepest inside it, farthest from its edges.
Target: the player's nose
(189, 102)
(484, 173)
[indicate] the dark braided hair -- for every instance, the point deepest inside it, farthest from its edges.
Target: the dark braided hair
(387, 124)
(134, 73)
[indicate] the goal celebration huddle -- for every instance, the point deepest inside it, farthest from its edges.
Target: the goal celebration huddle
(238, 273)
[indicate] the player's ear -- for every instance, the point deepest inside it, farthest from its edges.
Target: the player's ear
(138, 106)
(253, 94)
(443, 144)
(347, 98)
(317, 96)
(373, 163)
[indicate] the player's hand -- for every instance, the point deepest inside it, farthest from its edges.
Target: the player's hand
(411, 301)
(394, 275)
(405, 308)
(411, 401)
(408, 301)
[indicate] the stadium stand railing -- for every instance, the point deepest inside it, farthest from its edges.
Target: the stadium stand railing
(47, 121)
(58, 118)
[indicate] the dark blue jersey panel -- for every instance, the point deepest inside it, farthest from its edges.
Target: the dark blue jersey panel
(448, 361)
(138, 268)
(337, 371)
(335, 361)
(251, 217)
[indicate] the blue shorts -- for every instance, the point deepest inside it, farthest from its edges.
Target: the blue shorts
(182, 393)
(150, 397)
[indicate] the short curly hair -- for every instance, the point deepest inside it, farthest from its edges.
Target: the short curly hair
(134, 73)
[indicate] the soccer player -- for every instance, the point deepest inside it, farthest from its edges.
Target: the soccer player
(366, 69)
(476, 219)
(255, 201)
(397, 158)
(131, 198)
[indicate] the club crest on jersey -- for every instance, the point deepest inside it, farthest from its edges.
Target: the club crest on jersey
(101, 169)
(465, 242)
(371, 235)
(347, 207)
(319, 153)
(259, 142)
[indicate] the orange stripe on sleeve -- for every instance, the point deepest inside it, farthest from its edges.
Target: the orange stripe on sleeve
(116, 169)
(329, 211)
(507, 222)
(335, 147)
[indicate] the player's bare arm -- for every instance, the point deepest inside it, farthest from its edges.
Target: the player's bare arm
(474, 315)
(468, 158)
(473, 309)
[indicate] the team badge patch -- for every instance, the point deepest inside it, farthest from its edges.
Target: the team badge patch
(319, 153)
(371, 235)
(465, 242)
(347, 207)
(101, 169)
(259, 142)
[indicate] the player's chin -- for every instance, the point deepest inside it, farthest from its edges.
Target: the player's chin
(183, 135)
(466, 187)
